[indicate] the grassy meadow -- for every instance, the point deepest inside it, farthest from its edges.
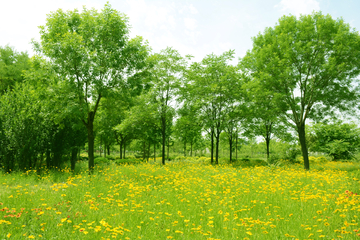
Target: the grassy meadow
(183, 200)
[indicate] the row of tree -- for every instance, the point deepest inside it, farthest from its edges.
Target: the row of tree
(89, 79)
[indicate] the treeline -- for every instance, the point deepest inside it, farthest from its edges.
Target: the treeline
(89, 81)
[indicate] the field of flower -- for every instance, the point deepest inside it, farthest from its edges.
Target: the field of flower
(182, 201)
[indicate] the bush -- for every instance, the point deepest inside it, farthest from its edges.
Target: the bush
(101, 160)
(273, 159)
(313, 159)
(83, 158)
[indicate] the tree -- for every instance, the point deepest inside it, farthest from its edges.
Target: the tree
(94, 53)
(263, 116)
(339, 140)
(309, 65)
(141, 122)
(188, 127)
(12, 65)
(167, 71)
(214, 85)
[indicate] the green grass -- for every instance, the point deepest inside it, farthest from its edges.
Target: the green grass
(182, 200)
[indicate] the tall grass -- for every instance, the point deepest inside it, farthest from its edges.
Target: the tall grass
(182, 200)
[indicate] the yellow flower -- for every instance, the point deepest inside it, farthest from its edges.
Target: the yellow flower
(9, 235)
(31, 236)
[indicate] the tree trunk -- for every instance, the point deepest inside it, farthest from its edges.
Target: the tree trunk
(154, 152)
(73, 158)
(267, 139)
(121, 149)
(91, 139)
(148, 152)
(108, 149)
(48, 159)
(230, 144)
(124, 150)
(40, 163)
(104, 150)
(191, 147)
(184, 148)
(302, 139)
(168, 149)
(236, 146)
(217, 149)
(100, 146)
(163, 135)
(212, 145)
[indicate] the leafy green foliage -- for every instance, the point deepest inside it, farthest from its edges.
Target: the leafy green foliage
(94, 54)
(339, 140)
(214, 86)
(309, 66)
(12, 65)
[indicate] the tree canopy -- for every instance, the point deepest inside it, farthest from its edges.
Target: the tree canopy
(93, 52)
(309, 64)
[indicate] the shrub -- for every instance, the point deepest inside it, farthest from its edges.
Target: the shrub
(101, 160)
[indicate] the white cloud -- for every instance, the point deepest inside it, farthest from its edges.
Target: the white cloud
(192, 9)
(298, 7)
(150, 15)
(184, 9)
(190, 23)
(20, 19)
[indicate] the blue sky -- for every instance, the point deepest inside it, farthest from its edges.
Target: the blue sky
(197, 27)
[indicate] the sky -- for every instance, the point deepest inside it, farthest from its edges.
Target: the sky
(197, 27)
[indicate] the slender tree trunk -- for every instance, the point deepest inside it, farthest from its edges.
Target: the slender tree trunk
(124, 150)
(267, 139)
(154, 152)
(168, 149)
(184, 148)
(302, 139)
(48, 159)
(100, 146)
(108, 149)
(121, 149)
(163, 135)
(91, 140)
(148, 152)
(236, 146)
(41, 162)
(217, 149)
(230, 144)
(191, 147)
(73, 158)
(212, 145)
(104, 150)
